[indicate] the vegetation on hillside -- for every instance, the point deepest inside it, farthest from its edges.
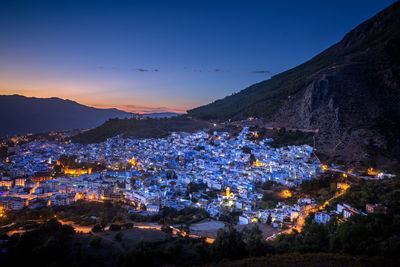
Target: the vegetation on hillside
(283, 137)
(139, 128)
(374, 235)
(264, 98)
(81, 212)
(386, 192)
(169, 216)
(42, 246)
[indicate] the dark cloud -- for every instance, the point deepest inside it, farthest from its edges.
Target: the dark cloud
(146, 70)
(108, 68)
(214, 70)
(142, 70)
(266, 72)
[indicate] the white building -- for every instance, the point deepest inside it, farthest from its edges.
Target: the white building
(322, 217)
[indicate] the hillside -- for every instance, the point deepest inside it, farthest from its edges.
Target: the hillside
(21, 115)
(350, 92)
(139, 128)
(160, 115)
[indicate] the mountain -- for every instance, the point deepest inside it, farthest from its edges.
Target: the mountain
(21, 115)
(350, 93)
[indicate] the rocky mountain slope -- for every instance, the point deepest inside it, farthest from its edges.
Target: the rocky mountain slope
(350, 93)
(21, 115)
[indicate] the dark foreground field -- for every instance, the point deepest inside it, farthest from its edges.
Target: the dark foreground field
(310, 260)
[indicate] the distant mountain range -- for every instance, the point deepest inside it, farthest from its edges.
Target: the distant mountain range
(350, 93)
(21, 115)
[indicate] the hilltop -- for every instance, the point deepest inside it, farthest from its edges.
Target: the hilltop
(139, 128)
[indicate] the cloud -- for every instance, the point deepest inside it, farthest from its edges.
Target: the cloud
(210, 70)
(266, 72)
(108, 68)
(142, 70)
(132, 69)
(146, 70)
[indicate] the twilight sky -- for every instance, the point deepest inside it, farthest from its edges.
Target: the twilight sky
(144, 56)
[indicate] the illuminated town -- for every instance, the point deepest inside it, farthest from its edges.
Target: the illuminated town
(156, 172)
(199, 133)
(149, 174)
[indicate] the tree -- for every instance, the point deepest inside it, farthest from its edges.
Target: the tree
(115, 227)
(252, 158)
(246, 150)
(255, 244)
(267, 185)
(128, 225)
(166, 229)
(118, 237)
(95, 241)
(97, 228)
(229, 245)
(140, 255)
(269, 219)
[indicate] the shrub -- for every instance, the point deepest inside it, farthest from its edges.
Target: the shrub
(115, 227)
(97, 228)
(95, 241)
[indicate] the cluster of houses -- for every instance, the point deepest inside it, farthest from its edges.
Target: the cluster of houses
(346, 211)
(214, 171)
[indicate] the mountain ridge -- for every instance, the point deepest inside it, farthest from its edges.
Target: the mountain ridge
(21, 114)
(350, 92)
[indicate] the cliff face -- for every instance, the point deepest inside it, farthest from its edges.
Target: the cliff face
(350, 92)
(355, 113)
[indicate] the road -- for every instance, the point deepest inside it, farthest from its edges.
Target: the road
(304, 213)
(349, 174)
(175, 231)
